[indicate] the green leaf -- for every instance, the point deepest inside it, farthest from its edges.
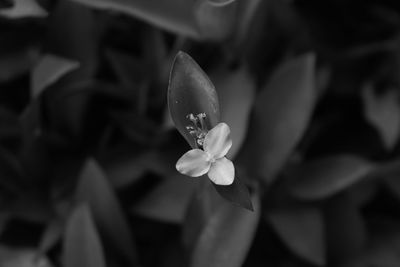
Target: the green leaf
(82, 246)
(216, 233)
(236, 92)
(23, 9)
(48, 71)
(302, 230)
(95, 189)
(383, 112)
(325, 177)
(280, 117)
(190, 91)
(168, 201)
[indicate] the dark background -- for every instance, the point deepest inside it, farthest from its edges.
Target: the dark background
(88, 149)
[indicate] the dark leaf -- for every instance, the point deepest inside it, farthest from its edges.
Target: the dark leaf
(94, 188)
(217, 233)
(220, 2)
(48, 70)
(6, 3)
(168, 201)
(23, 9)
(323, 178)
(82, 246)
(237, 193)
(302, 230)
(383, 112)
(190, 91)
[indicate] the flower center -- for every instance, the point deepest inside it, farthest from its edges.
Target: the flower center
(198, 129)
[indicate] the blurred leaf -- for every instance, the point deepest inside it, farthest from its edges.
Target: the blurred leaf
(190, 91)
(383, 250)
(51, 235)
(346, 231)
(6, 3)
(217, 233)
(215, 22)
(125, 171)
(383, 112)
(168, 201)
(49, 69)
(302, 230)
(27, 257)
(82, 246)
(325, 177)
(236, 91)
(173, 15)
(23, 9)
(190, 18)
(74, 33)
(281, 115)
(220, 2)
(94, 188)
(16, 64)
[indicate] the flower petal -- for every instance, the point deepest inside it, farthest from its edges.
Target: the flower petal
(222, 172)
(218, 141)
(194, 163)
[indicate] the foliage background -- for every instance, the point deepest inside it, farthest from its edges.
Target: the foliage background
(87, 147)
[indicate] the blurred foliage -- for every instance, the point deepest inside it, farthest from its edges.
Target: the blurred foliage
(309, 88)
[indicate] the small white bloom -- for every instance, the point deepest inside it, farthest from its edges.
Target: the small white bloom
(211, 160)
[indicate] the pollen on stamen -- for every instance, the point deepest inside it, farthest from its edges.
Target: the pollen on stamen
(199, 128)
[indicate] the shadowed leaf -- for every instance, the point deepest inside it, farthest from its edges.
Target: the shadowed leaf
(323, 178)
(216, 233)
(82, 246)
(23, 9)
(168, 201)
(302, 230)
(383, 112)
(94, 188)
(48, 70)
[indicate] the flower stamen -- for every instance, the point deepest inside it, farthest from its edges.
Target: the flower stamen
(199, 128)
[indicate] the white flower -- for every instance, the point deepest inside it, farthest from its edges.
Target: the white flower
(211, 160)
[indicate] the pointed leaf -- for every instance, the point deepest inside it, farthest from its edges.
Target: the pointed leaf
(323, 178)
(302, 230)
(82, 246)
(23, 9)
(190, 91)
(383, 112)
(95, 189)
(237, 193)
(48, 70)
(217, 233)
(281, 115)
